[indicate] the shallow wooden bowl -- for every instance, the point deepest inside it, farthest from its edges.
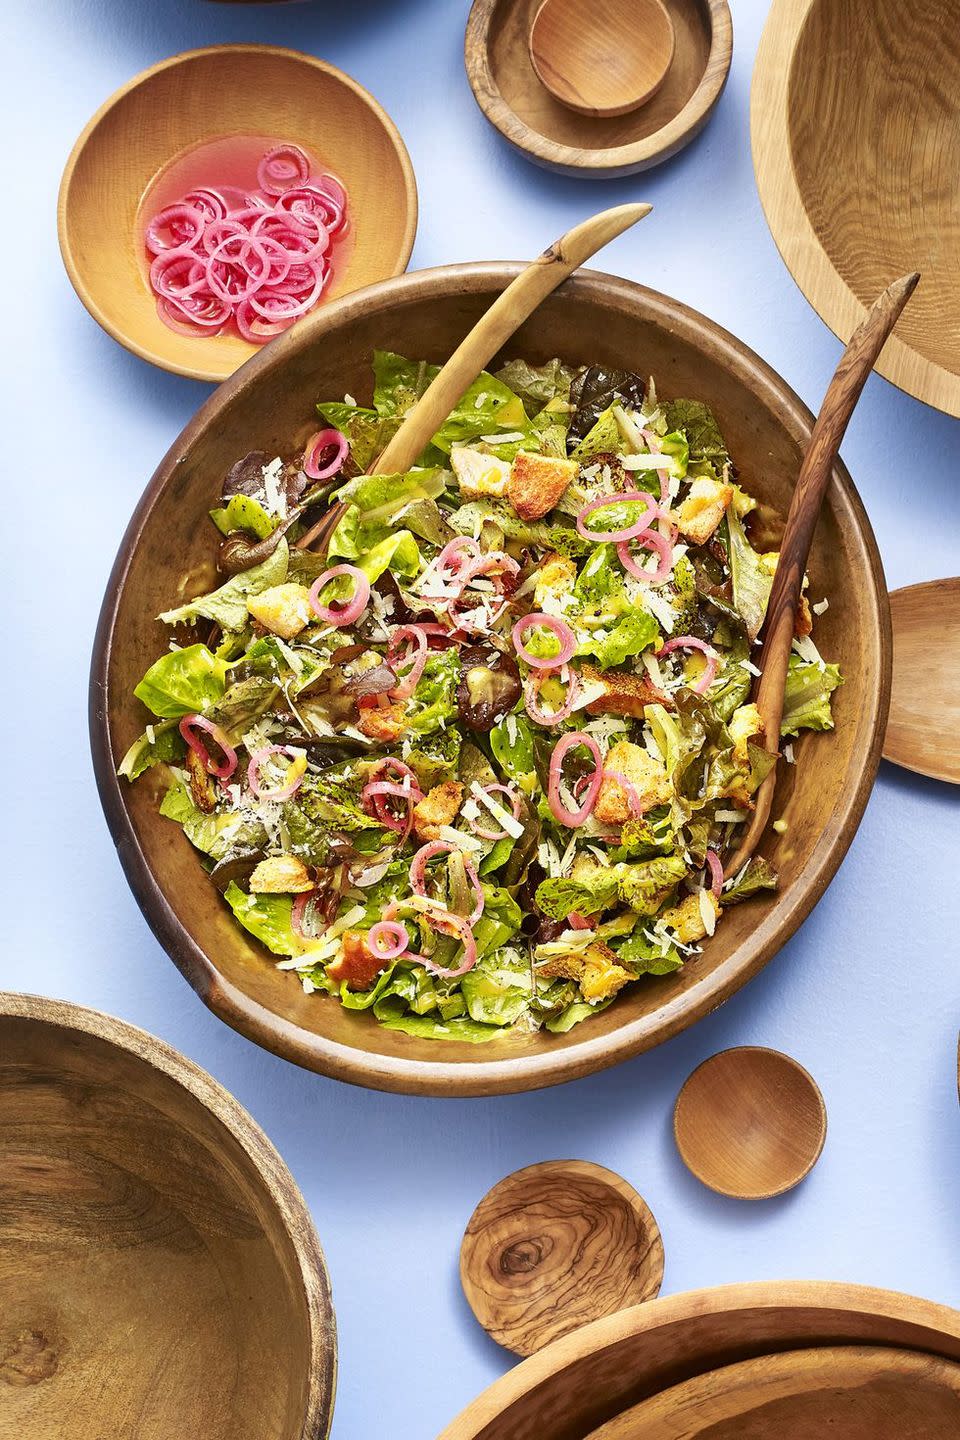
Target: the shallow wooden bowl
(750, 1123)
(857, 172)
(196, 96)
(270, 406)
(849, 1392)
(569, 1389)
(514, 100)
(159, 1272)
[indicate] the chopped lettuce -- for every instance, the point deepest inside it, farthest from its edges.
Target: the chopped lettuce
(806, 696)
(758, 874)
(707, 449)
(395, 550)
(367, 431)
(162, 745)
(243, 512)
(183, 682)
(488, 406)
(631, 635)
(752, 581)
(537, 385)
(499, 987)
(227, 606)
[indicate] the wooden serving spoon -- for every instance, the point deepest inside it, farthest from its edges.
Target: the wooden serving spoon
(923, 731)
(492, 330)
(843, 392)
(605, 58)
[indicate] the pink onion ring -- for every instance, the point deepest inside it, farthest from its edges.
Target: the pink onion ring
(662, 544)
(281, 168)
(514, 799)
(316, 446)
(459, 927)
(417, 659)
(430, 851)
(295, 773)
(228, 764)
(690, 642)
(716, 872)
(626, 532)
(573, 818)
(495, 560)
(560, 628)
(387, 939)
(349, 611)
(531, 691)
(375, 794)
(189, 222)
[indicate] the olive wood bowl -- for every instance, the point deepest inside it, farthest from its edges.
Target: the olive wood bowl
(159, 1272)
(269, 406)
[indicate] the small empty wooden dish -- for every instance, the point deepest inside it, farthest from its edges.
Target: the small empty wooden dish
(608, 61)
(750, 1123)
(514, 99)
(556, 1245)
(857, 173)
(850, 1392)
(923, 728)
(195, 97)
(159, 1272)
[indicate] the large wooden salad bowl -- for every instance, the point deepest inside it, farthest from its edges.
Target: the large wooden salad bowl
(268, 406)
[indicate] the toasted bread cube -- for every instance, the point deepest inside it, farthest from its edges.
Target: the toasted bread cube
(478, 473)
(803, 623)
(437, 808)
(701, 511)
(280, 875)
(284, 610)
(650, 782)
(602, 977)
(385, 723)
(537, 482)
(356, 964)
(686, 919)
(623, 694)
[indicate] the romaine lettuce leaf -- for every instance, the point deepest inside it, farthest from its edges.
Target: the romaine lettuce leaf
(164, 746)
(374, 549)
(573, 1015)
(368, 433)
(267, 917)
(214, 834)
(488, 407)
(707, 449)
(227, 606)
(243, 512)
(392, 1015)
(596, 389)
(630, 635)
(751, 580)
(537, 385)
(498, 988)
(758, 874)
(183, 682)
(511, 741)
(645, 957)
(435, 698)
(806, 696)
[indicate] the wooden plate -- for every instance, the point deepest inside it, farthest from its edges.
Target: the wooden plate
(196, 96)
(159, 1272)
(569, 1389)
(857, 173)
(554, 1246)
(844, 1392)
(514, 100)
(270, 406)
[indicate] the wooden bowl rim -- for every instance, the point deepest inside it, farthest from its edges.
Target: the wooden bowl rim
(788, 1063)
(798, 243)
(279, 1185)
(622, 159)
(509, 1075)
(904, 592)
(826, 1298)
(217, 373)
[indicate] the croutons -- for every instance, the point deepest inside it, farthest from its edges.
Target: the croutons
(437, 808)
(701, 511)
(651, 784)
(595, 970)
(555, 580)
(478, 473)
(537, 482)
(803, 624)
(385, 723)
(280, 875)
(284, 610)
(356, 964)
(623, 694)
(686, 919)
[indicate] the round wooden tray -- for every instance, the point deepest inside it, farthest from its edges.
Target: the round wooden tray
(857, 173)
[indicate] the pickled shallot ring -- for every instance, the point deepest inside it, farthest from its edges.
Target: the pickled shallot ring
(690, 642)
(566, 743)
(461, 929)
(188, 216)
(228, 764)
(515, 806)
(715, 867)
(376, 792)
(408, 681)
(281, 168)
(567, 641)
(316, 446)
(662, 544)
(430, 851)
(349, 611)
(295, 772)
(626, 532)
(387, 939)
(531, 692)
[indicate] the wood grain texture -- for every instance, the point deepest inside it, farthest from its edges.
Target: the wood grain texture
(750, 1122)
(848, 1392)
(159, 1272)
(605, 62)
(857, 173)
(514, 100)
(554, 1246)
(270, 406)
(223, 90)
(839, 402)
(923, 730)
(578, 1383)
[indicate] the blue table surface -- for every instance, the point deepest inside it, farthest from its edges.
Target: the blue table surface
(867, 994)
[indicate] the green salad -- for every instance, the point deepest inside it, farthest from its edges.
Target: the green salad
(467, 746)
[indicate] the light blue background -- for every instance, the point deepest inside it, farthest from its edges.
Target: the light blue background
(867, 995)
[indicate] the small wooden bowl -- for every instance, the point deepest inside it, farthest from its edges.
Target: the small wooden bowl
(515, 101)
(159, 1271)
(554, 1246)
(584, 1380)
(196, 96)
(750, 1123)
(862, 187)
(926, 655)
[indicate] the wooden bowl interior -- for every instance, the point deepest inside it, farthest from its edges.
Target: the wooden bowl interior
(589, 320)
(147, 1283)
(522, 90)
(208, 93)
(874, 146)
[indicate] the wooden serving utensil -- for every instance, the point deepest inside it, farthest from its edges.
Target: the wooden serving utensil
(506, 314)
(843, 392)
(604, 59)
(923, 731)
